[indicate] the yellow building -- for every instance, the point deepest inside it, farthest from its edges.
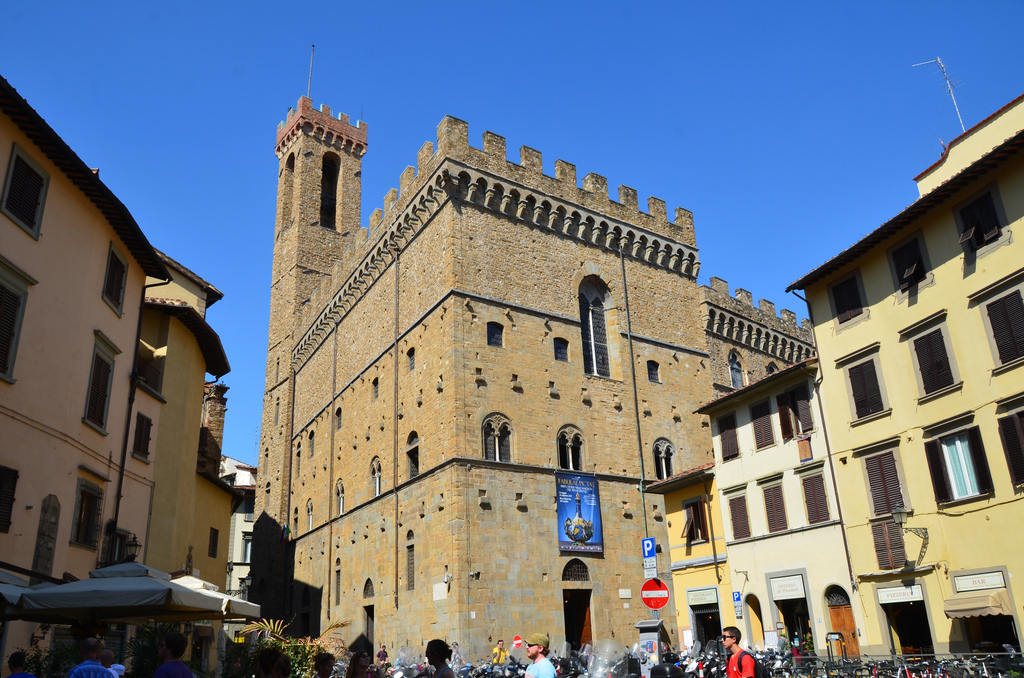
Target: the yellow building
(920, 333)
(73, 265)
(696, 552)
(787, 559)
(191, 505)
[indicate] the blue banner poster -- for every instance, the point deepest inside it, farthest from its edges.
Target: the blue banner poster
(579, 514)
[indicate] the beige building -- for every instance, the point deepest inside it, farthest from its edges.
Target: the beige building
(920, 333)
(442, 389)
(242, 477)
(784, 529)
(191, 506)
(73, 266)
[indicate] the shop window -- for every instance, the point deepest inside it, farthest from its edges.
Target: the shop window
(958, 466)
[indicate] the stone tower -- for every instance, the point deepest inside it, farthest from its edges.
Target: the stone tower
(317, 222)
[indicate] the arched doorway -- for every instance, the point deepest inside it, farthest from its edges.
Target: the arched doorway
(841, 617)
(576, 603)
(756, 630)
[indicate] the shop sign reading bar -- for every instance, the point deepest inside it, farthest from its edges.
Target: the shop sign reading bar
(979, 582)
(900, 594)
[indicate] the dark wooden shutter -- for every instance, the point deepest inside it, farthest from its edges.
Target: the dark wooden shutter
(10, 303)
(1011, 430)
(8, 483)
(775, 508)
(588, 344)
(937, 468)
(980, 461)
(847, 300)
(933, 361)
(888, 538)
(803, 409)
(99, 390)
(785, 417)
(113, 287)
(214, 538)
(981, 224)
(1007, 318)
(867, 397)
(143, 427)
(727, 435)
(761, 415)
(817, 502)
(909, 264)
(24, 192)
(884, 483)
(700, 519)
(738, 512)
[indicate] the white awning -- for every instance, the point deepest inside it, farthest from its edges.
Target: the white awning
(978, 604)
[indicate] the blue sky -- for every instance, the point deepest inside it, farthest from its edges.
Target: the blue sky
(789, 129)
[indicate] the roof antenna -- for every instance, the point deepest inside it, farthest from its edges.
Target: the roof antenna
(949, 87)
(309, 84)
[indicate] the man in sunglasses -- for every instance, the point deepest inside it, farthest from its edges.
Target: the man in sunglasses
(741, 664)
(537, 650)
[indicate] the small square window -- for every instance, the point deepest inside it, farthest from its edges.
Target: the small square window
(25, 192)
(561, 349)
(495, 335)
(115, 280)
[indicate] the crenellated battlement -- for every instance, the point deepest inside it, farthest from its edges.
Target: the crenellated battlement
(455, 170)
(736, 317)
(335, 130)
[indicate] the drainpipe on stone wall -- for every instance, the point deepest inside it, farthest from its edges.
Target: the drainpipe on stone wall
(394, 426)
(828, 446)
(133, 384)
(711, 527)
(632, 371)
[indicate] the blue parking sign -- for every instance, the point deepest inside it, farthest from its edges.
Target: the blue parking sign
(647, 547)
(735, 596)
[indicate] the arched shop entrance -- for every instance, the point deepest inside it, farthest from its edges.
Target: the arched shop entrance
(756, 629)
(840, 614)
(904, 607)
(790, 599)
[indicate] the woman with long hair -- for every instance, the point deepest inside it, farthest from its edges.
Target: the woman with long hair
(359, 666)
(438, 654)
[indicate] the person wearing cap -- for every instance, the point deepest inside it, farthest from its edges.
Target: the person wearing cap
(537, 650)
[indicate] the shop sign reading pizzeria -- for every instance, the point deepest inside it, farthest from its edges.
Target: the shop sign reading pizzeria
(900, 594)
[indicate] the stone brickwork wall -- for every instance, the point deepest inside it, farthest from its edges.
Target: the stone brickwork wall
(759, 337)
(474, 239)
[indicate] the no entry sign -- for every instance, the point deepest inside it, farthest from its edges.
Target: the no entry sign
(654, 593)
(517, 642)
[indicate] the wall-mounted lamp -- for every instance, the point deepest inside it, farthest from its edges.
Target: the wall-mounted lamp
(447, 578)
(899, 516)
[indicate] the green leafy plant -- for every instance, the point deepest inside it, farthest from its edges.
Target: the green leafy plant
(54, 661)
(301, 651)
(141, 651)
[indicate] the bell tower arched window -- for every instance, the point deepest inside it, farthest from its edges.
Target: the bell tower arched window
(497, 433)
(594, 327)
(570, 449)
(329, 190)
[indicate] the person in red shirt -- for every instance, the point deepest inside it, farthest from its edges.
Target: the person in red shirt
(736, 668)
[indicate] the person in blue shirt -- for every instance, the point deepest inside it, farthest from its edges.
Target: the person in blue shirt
(16, 663)
(170, 652)
(537, 650)
(90, 666)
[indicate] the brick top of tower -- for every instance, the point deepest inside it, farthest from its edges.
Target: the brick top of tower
(323, 123)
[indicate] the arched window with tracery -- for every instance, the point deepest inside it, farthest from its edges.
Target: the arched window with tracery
(375, 476)
(594, 299)
(339, 497)
(497, 434)
(663, 453)
(329, 190)
(570, 449)
(368, 589)
(735, 370)
(575, 570)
